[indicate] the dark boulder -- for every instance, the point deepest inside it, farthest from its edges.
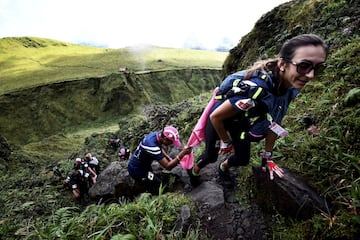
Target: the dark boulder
(291, 195)
(114, 182)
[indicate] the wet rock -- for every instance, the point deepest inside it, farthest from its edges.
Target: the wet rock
(222, 217)
(290, 195)
(114, 182)
(208, 193)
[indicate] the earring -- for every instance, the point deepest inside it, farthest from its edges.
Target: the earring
(282, 70)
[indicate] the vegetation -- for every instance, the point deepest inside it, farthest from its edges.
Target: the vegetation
(146, 218)
(88, 88)
(27, 62)
(329, 160)
(34, 205)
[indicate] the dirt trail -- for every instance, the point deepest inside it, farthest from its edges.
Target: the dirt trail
(221, 215)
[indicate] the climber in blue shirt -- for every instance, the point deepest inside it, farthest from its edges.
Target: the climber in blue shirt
(151, 149)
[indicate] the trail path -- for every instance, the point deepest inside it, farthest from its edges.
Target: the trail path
(221, 215)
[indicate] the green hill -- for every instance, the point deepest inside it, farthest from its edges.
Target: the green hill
(329, 161)
(75, 85)
(29, 61)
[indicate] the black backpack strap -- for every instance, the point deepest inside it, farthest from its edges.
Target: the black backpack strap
(222, 95)
(241, 88)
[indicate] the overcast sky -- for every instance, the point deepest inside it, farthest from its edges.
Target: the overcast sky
(122, 23)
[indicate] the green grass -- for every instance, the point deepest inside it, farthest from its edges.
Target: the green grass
(27, 62)
(145, 218)
(33, 205)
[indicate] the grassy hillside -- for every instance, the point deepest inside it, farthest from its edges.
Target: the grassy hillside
(39, 112)
(330, 160)
(26, 62)
(56, 87)
(33, 205)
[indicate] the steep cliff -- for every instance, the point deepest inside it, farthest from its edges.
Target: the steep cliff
(34, 113)
(335, 21)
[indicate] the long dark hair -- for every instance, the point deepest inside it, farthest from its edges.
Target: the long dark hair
(287, 51)
(289, 47)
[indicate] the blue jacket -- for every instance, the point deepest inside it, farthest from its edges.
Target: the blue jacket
(148, 150)
(275, 105)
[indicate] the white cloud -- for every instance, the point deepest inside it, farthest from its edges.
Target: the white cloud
(128, 22)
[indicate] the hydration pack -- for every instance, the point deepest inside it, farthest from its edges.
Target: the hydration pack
(256, 91)
(235, 84)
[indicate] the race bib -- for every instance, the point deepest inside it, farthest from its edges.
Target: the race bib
(276, 128)
(245, 104)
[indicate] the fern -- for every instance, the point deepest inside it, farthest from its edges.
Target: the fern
(63, 215)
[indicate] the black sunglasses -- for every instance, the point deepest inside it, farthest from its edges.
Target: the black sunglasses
(305, 67)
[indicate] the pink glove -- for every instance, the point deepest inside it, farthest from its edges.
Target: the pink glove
(267, 161)
(274, 168)
(225, 147)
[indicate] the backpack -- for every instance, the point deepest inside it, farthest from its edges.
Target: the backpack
(235, 84)
(256, 92)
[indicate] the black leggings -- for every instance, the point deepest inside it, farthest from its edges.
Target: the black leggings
(150, 183)
(240, 140)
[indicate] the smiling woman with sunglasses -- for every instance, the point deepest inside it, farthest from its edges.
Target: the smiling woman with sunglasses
(301, 58)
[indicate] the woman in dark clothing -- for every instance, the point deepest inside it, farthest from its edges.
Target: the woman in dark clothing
(280, 80)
